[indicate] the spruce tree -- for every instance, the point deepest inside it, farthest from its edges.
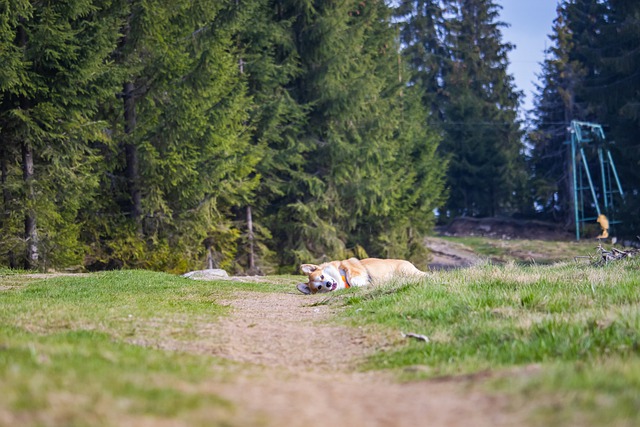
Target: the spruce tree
(422, 37)
(556, 104)
(482, 133)
(183, 159)
(612, 92)
(359, 183)
(588, 76)
(55, 74)
(307, 222)
(269, 62)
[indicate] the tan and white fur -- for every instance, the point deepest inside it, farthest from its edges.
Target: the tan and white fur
(335, 275)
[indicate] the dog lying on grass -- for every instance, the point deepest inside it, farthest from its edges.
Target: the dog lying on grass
(334, 275)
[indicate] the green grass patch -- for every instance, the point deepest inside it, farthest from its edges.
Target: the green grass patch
(526, 251)
(114, 302)
(572, 318)
(4, 271)
(119, 302)
(493, 316)
(600, 392)
(86, 378)
(81, 349)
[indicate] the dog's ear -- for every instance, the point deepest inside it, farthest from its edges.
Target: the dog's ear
(304, 288)
(308, 268)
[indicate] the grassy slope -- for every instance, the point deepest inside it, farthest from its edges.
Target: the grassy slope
(579, 324)
(68, 353)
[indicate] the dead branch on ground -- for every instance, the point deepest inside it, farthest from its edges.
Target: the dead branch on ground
(604, 256)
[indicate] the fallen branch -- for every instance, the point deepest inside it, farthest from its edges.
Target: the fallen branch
(615, 254)
(604, 256)
(416, 336)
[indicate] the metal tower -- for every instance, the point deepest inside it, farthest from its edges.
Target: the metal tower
(601, 200)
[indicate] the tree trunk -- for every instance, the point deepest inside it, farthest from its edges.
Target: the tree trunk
(569, 106)
(132, 168)
(132, 171)
(250, 238)
(208, 245)
(6, 195)
(6, 201)
(209, 258)
(30, 229)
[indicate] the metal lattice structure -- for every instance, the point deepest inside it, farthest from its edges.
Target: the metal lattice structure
(589, 198)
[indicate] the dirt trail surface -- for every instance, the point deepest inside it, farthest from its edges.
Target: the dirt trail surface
(305, 373)
(446, 255)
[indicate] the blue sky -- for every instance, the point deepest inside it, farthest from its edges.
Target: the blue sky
(531, 22)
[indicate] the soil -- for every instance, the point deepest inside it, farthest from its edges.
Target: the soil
(300, 369)
(447, 255)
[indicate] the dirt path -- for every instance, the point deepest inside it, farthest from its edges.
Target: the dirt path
(446, 255)
(305, 373)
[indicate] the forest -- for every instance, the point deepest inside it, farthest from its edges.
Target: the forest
(256, 135)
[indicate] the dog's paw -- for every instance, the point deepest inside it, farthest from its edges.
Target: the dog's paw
(358, 281)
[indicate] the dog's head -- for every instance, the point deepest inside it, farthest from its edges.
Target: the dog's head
(322, 278)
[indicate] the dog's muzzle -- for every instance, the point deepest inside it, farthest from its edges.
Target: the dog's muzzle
(327, 286)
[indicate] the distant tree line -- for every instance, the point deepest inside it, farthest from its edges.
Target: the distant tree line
(591, 73)
(255, 135)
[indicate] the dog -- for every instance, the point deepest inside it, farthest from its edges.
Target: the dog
(604, 224)
(335, 275)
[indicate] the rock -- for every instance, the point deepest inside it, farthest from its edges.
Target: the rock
(210, 274)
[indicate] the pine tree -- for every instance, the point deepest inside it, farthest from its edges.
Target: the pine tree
(555, 106)
(588, 77)
(10, 75)
(612, 92)
(308, 220)
(137, 134)
(480, 114)
(420, 184)
(422, 37)
(358, 186)
(411, 180)
(56, 74)
(269, 62)
(184, 160)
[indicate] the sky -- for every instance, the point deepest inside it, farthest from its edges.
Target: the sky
(531, 22)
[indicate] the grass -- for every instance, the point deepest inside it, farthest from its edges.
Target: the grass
(86, 378)
(581, 323)
(82, 350)
(526, 251)
(561, 340)
(599, 392)
(116, 301)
